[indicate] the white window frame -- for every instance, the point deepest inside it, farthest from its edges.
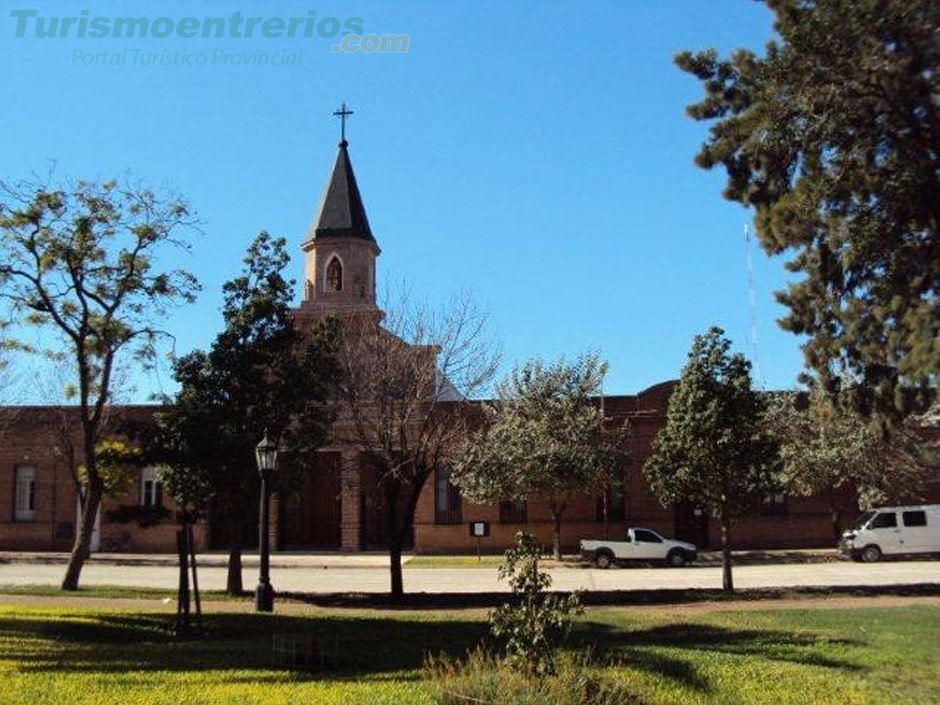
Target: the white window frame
(25, 502)
(148, 475)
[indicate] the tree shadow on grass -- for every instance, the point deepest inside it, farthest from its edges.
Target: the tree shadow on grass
(120, 643)
(630, 647)
(359, 647)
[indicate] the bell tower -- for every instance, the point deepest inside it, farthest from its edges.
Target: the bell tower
(339, 249)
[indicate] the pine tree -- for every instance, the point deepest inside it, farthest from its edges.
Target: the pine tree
(833, 137)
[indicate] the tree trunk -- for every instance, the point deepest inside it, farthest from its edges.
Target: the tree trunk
(82, 545)
(556, 530)
(395, 534)
(394, 555)
(233, 583)
(397, 530)
(727, 583)
(835, 514)
(182, 593)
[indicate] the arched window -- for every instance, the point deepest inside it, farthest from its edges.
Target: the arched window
(334, 275)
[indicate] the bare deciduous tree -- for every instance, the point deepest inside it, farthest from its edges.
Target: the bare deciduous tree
(407, 390)
(11, 387)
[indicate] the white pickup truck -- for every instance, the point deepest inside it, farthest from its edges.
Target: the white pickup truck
(639, 545)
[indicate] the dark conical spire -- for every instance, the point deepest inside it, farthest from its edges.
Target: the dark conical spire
(341, 213)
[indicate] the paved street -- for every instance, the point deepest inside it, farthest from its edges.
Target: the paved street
(338, 576)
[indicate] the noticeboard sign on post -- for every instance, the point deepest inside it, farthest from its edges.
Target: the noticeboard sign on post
(479, 529)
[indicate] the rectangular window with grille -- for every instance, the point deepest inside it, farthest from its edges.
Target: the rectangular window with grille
(611, 502)
(513, 512)
(447, 504)
(25, 509)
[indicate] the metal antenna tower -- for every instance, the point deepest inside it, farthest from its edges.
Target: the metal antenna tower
(752, 302)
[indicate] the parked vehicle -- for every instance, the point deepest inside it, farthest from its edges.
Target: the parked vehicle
(891, 531)
(639, 545)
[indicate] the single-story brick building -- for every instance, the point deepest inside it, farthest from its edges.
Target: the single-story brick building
(338, 507)
(39, 450)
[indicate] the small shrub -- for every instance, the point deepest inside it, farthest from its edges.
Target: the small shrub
(481, 678)
(145, 516)
(531, 630)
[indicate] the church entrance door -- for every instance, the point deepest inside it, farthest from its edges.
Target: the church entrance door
(374, 513)
(310, 518)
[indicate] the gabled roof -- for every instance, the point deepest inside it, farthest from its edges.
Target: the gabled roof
(341, 213)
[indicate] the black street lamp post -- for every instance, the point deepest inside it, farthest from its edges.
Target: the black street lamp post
(266, 455)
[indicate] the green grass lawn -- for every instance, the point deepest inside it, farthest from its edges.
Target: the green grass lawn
(453, 561)
(488, 561)
(114, 591)
(844, 656)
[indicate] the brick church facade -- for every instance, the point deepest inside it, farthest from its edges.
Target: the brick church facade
(338, 506)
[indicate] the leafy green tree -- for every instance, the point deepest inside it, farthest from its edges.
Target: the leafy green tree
(829, 449)
(81, 262)
(260, 373)
(833, 137)
(543, 437)
(186, 482)
(532, 628)
(118, 465)
(714, 449)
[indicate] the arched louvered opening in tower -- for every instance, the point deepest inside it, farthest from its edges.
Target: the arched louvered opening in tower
(334, 275)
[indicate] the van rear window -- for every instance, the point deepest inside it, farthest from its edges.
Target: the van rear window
(915, 518)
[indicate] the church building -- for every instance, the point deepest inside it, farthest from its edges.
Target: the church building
(338, 507)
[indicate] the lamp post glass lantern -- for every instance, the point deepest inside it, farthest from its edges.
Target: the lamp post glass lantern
(266, 456)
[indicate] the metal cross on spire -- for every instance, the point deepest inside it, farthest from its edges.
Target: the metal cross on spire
(341, 114)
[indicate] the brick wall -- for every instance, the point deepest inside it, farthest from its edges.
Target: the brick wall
(29, 438)
(25, 443)
(26, 438)
(807, 522)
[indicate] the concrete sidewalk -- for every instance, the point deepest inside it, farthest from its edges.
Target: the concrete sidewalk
(440, 580)
(374, 559)
(211, 559)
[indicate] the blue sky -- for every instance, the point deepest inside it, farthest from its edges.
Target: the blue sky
(536, 154)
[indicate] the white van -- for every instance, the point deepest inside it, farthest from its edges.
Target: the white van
(889, 531)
